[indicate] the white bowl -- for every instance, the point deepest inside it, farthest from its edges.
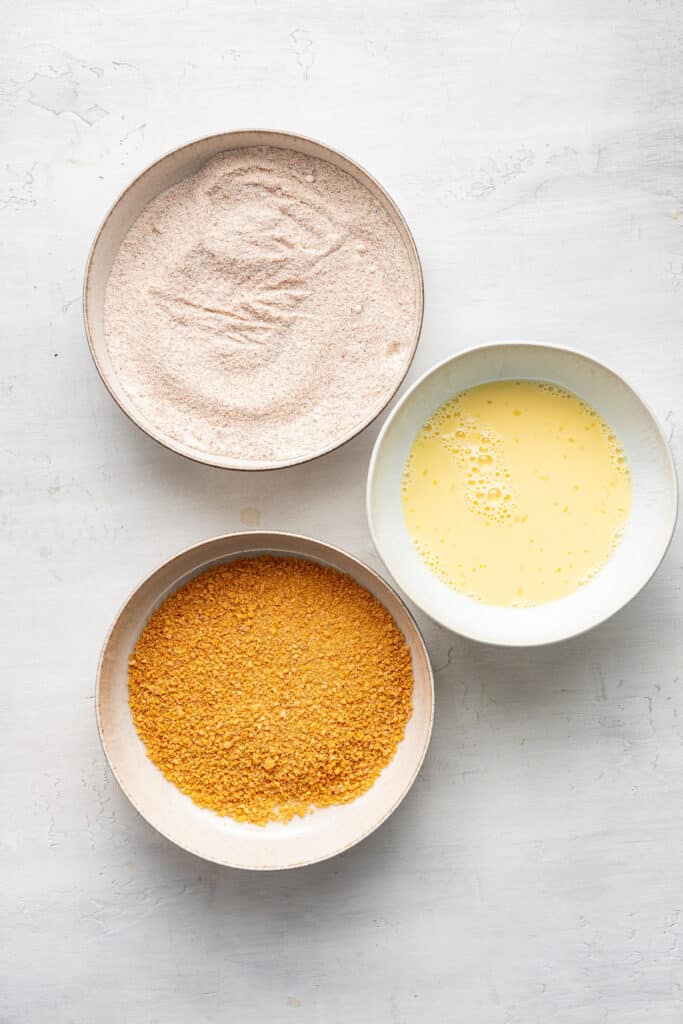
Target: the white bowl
(647, 534)
(323, 833)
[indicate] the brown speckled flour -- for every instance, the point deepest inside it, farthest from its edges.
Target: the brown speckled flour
(263, 308)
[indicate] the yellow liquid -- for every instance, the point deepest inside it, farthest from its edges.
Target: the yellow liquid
(516, 492)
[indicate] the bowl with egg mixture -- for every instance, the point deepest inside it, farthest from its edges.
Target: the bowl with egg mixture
(521, 493)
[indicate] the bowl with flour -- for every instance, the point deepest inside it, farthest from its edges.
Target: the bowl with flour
(253, 300)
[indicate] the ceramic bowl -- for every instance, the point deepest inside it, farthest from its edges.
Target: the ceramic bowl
(647, 533)
(174, 167)
(320, 834)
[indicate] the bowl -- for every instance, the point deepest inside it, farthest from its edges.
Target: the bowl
(174, 167)
(647, 533)
(321, 833)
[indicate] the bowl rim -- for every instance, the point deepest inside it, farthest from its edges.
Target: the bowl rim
(296, 539)
(206, 458)
(569, 633)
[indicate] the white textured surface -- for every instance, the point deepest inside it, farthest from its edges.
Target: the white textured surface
(534, 873)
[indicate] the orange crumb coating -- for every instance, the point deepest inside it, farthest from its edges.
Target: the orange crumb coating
(268, 686)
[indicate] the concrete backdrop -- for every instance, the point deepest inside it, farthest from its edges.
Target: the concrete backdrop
(535, 871)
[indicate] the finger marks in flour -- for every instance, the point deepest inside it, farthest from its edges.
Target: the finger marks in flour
(262, 307)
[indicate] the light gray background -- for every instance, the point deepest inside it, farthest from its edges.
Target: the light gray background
(535, 871)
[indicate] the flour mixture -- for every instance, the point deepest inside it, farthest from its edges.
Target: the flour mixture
(262, 309)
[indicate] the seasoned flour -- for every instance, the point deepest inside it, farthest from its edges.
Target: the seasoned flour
(261, 309)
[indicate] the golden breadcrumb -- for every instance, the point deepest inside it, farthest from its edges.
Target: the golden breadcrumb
(268, 686)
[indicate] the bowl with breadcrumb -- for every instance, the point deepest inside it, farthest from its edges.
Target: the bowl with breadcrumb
(264, 700)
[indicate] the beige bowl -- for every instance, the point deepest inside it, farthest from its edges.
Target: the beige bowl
(174, 167)
(321, 834)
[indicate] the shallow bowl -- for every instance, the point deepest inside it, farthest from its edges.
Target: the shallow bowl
(647, 533)
(169, 170)
(320, 834)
